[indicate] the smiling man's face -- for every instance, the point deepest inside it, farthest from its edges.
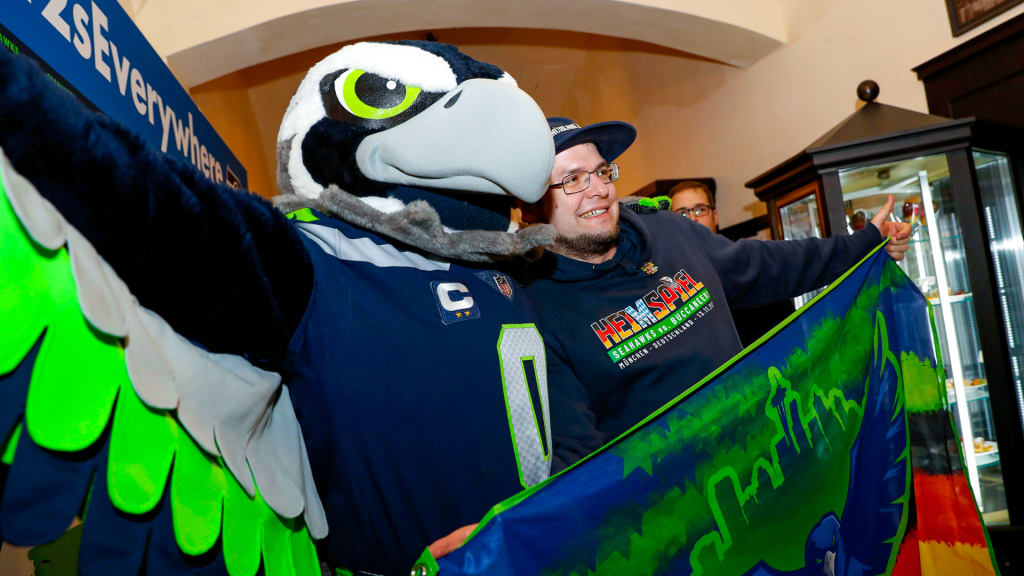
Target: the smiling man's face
(586, 223)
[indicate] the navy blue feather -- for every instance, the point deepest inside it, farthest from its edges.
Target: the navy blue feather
(45, 491)
(225, 269)
(143, 540)
(463, 66)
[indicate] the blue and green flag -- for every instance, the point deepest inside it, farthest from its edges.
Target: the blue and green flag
(795, 457)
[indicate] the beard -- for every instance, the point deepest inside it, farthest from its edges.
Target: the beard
(586, 246)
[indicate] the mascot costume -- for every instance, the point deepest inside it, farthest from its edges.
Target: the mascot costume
(210, 384)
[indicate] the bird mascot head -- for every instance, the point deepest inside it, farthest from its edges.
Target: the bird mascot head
(420, 143)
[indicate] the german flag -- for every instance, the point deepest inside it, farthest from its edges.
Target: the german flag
(945, 534)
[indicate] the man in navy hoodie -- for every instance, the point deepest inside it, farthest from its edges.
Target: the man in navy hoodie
(636, 305)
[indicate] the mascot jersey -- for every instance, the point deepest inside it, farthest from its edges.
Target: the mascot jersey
(413, 363)
(359, 373)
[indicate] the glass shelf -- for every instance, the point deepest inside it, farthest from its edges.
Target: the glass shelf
(924, 240)
(972, 392)
(953, 298)
(988, 458)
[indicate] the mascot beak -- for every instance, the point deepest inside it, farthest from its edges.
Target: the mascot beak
(485, 136)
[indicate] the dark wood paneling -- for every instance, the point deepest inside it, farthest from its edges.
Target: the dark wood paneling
(1008, 544)
(747, 228)
(1000, 102)
(833, 204)
(981, 77)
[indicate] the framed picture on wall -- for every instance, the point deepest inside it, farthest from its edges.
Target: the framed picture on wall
(966, 14)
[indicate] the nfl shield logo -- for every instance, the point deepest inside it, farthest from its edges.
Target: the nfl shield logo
(503, 285)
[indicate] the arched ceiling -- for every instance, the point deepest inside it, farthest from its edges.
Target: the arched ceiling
(203, 40)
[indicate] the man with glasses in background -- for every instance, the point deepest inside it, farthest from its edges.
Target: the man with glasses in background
(695, 200)
(634, 305)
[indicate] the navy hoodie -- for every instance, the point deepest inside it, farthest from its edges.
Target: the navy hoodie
(632, 333)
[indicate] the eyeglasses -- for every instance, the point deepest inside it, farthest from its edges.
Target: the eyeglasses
(579, 181)
(697, 211)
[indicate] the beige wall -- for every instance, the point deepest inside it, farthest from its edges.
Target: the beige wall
(246, 108)
(735, 124)
(227, 104)
(695, 117)
(204, 40)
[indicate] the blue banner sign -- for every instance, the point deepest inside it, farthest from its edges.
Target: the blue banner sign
(94, 50)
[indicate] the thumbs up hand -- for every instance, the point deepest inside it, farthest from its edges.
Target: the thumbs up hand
(898, 232)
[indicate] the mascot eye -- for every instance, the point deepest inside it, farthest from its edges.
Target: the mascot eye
(373, 97)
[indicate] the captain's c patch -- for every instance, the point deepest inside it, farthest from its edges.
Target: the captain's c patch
(454, 302)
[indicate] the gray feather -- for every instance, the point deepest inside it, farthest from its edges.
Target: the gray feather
(419, 225)
(284, 182)
(42, 221)
(101, 293)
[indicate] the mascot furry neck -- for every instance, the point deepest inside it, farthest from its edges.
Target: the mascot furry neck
(209, 383)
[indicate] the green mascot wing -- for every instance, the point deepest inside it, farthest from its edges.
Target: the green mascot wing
(96, 387)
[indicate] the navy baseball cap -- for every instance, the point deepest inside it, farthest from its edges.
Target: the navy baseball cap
(611, 138)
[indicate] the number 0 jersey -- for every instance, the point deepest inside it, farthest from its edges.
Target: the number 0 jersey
(421, 389)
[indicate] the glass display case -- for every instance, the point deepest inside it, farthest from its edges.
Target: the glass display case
(795, 206)
(958, 184)
(800, 216)
(936, 262)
